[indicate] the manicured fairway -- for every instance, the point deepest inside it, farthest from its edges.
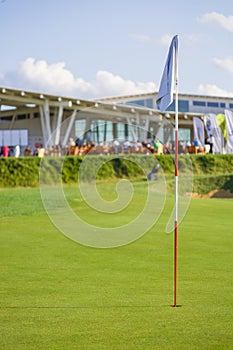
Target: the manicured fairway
(58, 294)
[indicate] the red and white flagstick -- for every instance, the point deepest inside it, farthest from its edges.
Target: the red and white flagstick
(176, 185)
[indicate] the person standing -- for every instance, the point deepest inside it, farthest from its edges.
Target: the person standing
(17, 151)
(5, 151)
(211, 143)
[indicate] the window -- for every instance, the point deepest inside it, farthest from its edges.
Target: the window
(22, 116)
(222, 104)
(121, 131)
(183, 106)
(142, 103)
(137, 103)
(149, 103)
(212, 104)
(105, 130)
(199, 103)
(184, 135)
(80, 128)
(6, 118)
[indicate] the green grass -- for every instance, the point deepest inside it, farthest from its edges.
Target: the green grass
(57, 294)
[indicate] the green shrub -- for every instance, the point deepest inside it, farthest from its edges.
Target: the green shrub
(19, 172)
(210, 171)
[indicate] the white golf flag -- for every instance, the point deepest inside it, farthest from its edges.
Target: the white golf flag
(166, 89)
(229, 127)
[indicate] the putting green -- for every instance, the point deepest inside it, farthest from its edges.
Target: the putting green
(58, 294)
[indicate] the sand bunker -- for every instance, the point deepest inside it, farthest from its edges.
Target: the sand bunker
(212, 194)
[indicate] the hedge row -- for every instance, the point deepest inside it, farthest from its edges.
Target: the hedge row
(210, 171)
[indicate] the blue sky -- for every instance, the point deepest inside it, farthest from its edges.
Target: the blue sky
(91, 49)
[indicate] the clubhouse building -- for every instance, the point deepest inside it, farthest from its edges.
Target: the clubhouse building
(32, 118)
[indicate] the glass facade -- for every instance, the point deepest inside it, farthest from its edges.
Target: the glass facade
(185, 135)
(168, 135)
(108, 130)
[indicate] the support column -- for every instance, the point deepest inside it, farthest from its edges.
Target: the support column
(87, 128)
(47, 123)
(12, 120)
(131, 129)
(54, 123)
(42, 120)
(157, 129)
(147, 127)
(58, 128)
(138, 123)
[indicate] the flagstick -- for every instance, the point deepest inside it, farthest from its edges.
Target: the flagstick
(176, 186)
(164, 98)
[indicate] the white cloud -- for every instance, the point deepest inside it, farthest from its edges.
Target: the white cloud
(213, 90)
(56, 79)
(226, 63)
(53, 78)
(224, 21)
(110, 84)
